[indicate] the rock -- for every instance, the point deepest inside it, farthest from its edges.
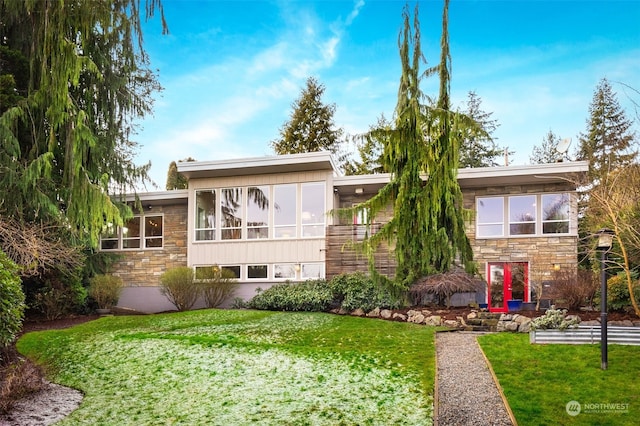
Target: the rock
(358, 313)
(374, 313)
(521, 319)
(418, 318)
(343, 311)
(451, 323)
(433, 320)
(511, 326)
(411, 313)
(525, 327)
(506, 317)
(625, 323)
(461, 321)
(397, 315)
(573, 318)
(500, 326)
(426, 313)
(385, 313)
(472, 315)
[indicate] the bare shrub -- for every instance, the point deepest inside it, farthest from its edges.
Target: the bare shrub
(443, 286)
(216, 285)
(18, 378)
(573, 290)
(179, 286)
(105, 290)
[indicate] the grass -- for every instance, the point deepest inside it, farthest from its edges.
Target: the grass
(540, 380)
(242, 367)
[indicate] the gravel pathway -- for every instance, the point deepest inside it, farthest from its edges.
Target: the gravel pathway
(466, 392)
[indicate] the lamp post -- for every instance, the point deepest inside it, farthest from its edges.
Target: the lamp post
(605, 241)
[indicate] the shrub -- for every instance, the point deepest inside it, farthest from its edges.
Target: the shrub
(618, 297)
(554, 318)
(179, 286)
(18, 378)
(105, 290)
(358, 290)
(574, 290)
(216, 285)
(57, 295)
(312, 295)
(11, 301)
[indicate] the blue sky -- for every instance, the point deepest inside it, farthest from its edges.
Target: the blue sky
(231, 69)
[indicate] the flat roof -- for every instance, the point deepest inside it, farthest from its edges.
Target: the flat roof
(310, 161)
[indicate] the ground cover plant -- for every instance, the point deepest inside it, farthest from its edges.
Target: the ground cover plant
(242, 367)
(540, 380)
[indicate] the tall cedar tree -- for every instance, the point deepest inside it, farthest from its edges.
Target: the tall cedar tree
(547, 152)
(176, 180)
(65, 144)
(311, 127)
(478, 147)
(608, 142)
(427, 226)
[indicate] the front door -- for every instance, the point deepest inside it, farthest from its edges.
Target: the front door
(507, 281)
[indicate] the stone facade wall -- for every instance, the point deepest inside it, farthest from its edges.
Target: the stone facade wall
(140, 268)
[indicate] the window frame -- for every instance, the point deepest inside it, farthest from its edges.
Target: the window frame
(142, 238)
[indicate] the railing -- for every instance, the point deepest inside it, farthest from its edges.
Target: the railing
(587, 335)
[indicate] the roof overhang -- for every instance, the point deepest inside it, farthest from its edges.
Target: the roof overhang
(312, 161)
(160, 198)
(479, 177)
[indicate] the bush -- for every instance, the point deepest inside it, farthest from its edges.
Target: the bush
(18, 378)
(12, 304)
(105, 290)
(216, 285)
(57, 295)
(618, 297)
(573, 290)
(358, 290)
(554, 318)
(312, 296)
(179, 286)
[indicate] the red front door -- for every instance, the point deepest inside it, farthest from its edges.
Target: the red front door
(507, 281)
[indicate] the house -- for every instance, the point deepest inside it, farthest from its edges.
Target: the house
(268, 220)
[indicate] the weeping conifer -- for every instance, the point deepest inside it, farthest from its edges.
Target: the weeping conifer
(421, 152)
(65, 146)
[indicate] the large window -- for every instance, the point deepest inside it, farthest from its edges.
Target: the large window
(140, 232)
(261, 212)
(313, 209)
(257, 212)
(205, 215)
(528, 215)
(284, 211)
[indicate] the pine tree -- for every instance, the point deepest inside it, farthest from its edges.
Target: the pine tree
(608, 142)
(371, 150)
(548, 151)
(66, 145)
(311, 127)
(427, 226)
(478, 148)
(176, 180)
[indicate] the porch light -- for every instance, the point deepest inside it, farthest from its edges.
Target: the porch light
(605, 241)
(359, 190)
(556, 267)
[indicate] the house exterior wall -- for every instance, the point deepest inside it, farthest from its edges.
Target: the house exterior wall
(142, 268)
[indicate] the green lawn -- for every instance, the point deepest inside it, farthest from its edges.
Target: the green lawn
(540, 380)
(242, 367)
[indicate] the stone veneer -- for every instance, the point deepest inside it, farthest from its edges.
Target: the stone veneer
(142, 268)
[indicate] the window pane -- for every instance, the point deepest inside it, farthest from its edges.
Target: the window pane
(284, 271)
(522, 228)
(555, 207)
(312, 270)
(131, 234)
(522, 208)
(153, 231)
(284, 211)
(109, 244)
(555, 228)
(231, 211)
(256, 271)
(490, 230)
(490, 210)
(205, 215)
(258, 212)
(313, 209)
(234, 270)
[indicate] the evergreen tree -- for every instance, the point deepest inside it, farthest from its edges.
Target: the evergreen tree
(371, 150)
(176, 180)
(478, 148)
(548, 151)
(65, 145)
(311, 127)
(608, 142)
(427, 226)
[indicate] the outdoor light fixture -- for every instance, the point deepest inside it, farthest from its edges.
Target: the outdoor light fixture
(605, 241)
(556, 267)
(359, 190)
